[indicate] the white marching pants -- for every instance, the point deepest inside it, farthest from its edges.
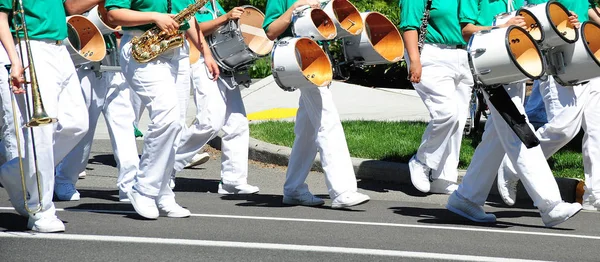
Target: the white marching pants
(218, 107)
(498, 139)
(445, 88)
(318, 129)
(61, 95)
(107, 94)
(154, 83)
(7, 127)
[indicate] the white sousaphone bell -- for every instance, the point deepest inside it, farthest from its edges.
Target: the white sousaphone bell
(548, 23)
(572, 64)
(309, 66)
(379, 43)
(504, 55)
(345, 16)
(312, 23)
(84, 42)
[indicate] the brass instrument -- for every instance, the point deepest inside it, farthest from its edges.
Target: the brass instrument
(154, 41)
(39, 117)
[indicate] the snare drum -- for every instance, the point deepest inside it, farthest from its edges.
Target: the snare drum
(300, 62)
(345, 16)
(380, 43)
(313, 23)
(531, 21)
(84, 42)
(504, 55)
(572, 64)
(237, 44)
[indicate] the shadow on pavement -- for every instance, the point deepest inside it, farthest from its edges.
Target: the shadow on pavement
(13, 222)
(183, 184)
(258, 200)
(382, 186)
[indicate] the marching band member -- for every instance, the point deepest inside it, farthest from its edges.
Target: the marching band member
(442, 78)
(317, 128)
(155, 82)
(106, 93)
(498, 139)
(62, 98)
(219, 107)
(7, 129)
(568, 109)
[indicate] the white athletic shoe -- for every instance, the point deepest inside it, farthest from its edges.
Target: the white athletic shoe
(419, 174)
(225, 189)
(306, 199)
(590, 202)
(45, 223)
(198, 159)
(172, 210)
(145, 206)
(465, 208)
(66, 192)
(441, 186)
(560, 213)
(82, 174)
(507, 185)
(348, 199)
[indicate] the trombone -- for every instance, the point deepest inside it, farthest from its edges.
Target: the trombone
(39, 117)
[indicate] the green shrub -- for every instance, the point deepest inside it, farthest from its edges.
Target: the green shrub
(261, 68)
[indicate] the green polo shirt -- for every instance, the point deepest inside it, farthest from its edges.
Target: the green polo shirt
(205, 13)
(443, 27)
(482, 12)
(159, 6)
(580, 7)
(274, 9)
(46, 19)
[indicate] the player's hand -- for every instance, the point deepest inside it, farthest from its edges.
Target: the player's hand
(311, 3)
(414, 72)
(235, 13)
(517, 21)
(17, 78)
(166, 23)
(574, 20)
(211, 65)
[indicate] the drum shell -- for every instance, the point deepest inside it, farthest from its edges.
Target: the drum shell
(94, 16)
(341, 32)
(493, 65)
(304, 26)
(551, 37)
(503, 18)
(579, 64)
(287, 71)
(231, 52)
(96, 42)
(360, 47)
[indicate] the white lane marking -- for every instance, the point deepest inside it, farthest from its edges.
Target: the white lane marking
(308, 220)
(253, 245)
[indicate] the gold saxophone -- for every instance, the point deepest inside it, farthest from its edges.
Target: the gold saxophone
(154, 41)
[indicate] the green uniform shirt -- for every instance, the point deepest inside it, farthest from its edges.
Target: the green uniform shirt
(205, 14)
(46, 19)
(159, 6)
(274, 9)
(580, 7)
(443, 27)
(482, 12)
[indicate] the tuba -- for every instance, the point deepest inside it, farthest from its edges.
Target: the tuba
(154, 41)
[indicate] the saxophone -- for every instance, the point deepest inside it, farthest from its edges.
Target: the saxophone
(154, 41)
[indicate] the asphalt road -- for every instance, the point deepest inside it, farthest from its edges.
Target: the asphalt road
(397, 224)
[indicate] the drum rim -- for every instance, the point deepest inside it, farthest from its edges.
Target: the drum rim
(542, 32)
(587, 47)
(554, 27)
(273, 71)
(369, 38)
(512, 57)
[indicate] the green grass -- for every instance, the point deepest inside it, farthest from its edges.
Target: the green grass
(398, 141)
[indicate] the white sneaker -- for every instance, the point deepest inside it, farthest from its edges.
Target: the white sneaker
(348, 199)
(172, 210)
(198, 159)
(306, 199)
(45, 224)
(66, 192)
(590, 202)
(560, 213)
(441, 186)
(239, 189)
(419, 175)
(145, 206)
(507, 185)
(82, 174)
(465, 208)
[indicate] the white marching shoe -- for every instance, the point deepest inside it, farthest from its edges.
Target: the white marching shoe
(66, 192)
(225, 189)
(419, 175)
(198, 159)
(507, 185)
(560, 213)
(467, 209)
(306, 199)
(348, 199)
(45, 223)
(145, 206)
(172, 209)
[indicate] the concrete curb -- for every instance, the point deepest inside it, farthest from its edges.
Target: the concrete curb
(571, 189)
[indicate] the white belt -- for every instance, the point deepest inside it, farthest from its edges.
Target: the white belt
(442, 46)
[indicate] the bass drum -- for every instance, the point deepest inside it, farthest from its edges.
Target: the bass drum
(572, 64)
(504, 55)
(84, 42)
(300, 62)
(313, 23)
(345, 16)
(237, 44)
(380, 43)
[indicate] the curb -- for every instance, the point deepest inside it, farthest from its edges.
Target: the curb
(571, 189)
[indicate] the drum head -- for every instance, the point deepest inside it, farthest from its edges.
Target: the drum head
(559, 15)
(384, 37)
(533, 24)
(254, 36)
(525, 53)
(347, 16)
(92, 45)
(591, 38)
(313, 61)
(323, 23)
